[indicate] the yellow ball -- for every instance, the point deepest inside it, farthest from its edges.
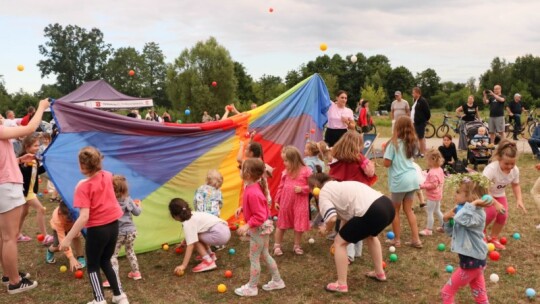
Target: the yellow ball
(179, 273)
(332, 250)
(316, 191)
(323, 47)
(20, 67)
(221, 288)
(63, 268)
(491, 247)
(165, 247)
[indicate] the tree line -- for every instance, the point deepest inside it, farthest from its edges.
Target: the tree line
(206, 78)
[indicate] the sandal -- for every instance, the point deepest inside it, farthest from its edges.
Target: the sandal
(395, 243)
(381, 277)
(277, 250)
(335, 287)
(417, 245)
(298, 250)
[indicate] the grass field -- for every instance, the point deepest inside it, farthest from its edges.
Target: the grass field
(416, 277)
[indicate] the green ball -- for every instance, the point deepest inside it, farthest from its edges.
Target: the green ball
(449, 268)
(393, 257)
(451, 221)
(441, 247)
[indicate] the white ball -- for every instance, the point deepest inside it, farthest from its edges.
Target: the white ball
(353, 58)
(392, 249)
(494, 278)
(311, 241)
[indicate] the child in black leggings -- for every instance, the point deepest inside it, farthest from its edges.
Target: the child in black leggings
(95, 196)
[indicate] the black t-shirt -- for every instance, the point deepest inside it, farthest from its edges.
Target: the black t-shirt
(469, 112)
(515, 107)
(496, 108)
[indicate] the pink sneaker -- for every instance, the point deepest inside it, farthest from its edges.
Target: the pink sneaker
(426, 232)
(205, 266)
(135, 275)
(48, 240)
(106, 284)
(23, 238)
(212, 255)
(335, 287)
(498, 244)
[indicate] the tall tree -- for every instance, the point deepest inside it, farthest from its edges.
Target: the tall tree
(154, 74)
(190, 79)
(399, 79)
(500, 73)
(375, 96)
(292, 78)
(117, 71)
(244, 86)
(429, 82)
(5, 99)
(73, 54)
(268, 87)
(378, 68)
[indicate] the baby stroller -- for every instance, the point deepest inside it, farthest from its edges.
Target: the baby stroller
(479, 149)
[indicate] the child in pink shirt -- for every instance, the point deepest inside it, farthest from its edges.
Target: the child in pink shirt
(434, 188)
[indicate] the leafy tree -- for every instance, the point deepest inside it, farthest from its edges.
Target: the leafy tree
(190, 78)
(154, 74)
(5, 99)
(268, 87)
(118, 68)
(500, 73)
(21, 101)
(429, 82)
(244, 86)
(375, 96)
(73, 54)
(292, 78)
(331, 82)
(399, 79)
(48, 90)
(378, 68)
(527, 70)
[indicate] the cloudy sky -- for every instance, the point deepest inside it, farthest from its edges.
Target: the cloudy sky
(458, 38)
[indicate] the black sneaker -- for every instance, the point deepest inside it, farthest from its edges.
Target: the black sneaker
(24, 285)
(23, 275)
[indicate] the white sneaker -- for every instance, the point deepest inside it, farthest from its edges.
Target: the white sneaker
(97, 302)
(538, 227)
(273, 285)
(246, 291)
(121, 299)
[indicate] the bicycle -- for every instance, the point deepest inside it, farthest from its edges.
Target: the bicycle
(446, 126)
(532, 121)
(529, 125)
(430, 130)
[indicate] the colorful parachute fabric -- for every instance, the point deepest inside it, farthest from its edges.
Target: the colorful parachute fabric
(162, 162)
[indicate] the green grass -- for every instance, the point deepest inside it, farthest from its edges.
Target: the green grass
(417, 277)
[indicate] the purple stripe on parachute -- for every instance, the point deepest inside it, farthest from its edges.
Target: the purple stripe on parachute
(287, 131)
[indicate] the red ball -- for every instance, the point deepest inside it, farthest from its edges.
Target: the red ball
(228, 274)
(214, 84)
(312, 131)
(179, 250)
(233, 227)
(494, 256)
(79, 274)
(271, 10)
(229, 108)
(247, 135)
(40, 237)
(503, 240)
(45, 191)
(383, 264)
(511, 270)
(131, 73)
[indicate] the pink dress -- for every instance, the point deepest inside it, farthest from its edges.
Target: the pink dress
(293, 207)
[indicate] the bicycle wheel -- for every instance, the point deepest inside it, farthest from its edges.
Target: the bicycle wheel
(430, 130)
(530, 128)
(442, 130)
(509, 130)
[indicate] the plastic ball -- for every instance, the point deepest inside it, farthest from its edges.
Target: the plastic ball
(384, 264)
(311, 241)
(271, 10)
(316, 191)
(228, 274)
(179, 121)
(63, 268)
(40, 237)
(332, 250)
(179, 250)
(179, 273)
(530, 293)
(449, 268)
(40, 194)
(390, 235)
(503, 240)
(516, 236)
(187, 112)
(45, 191)
(491, 247)
(232, 251)
(494, 277)
(214, 83)
(441, 247)
(165, 247)
(79, 274)
(229, 108)
(221, 288)
(393, 257)
(247, 135)
(20, 68)
(511, 270)
(494, 256)
(131, 73)
(312, 131)
(392, 249)
(275, 218)
(323, 47)
(354, 59)
(451, 221)
(487, 198)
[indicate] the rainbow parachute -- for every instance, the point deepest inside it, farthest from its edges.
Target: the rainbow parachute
(162, 162)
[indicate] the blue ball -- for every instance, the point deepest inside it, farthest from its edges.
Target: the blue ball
(449, 268)
(40, 194)
(530, 293)
(232, 251)
(187, 112)
(275, 218)
(487, 198)
(390, 235)
(516, 236)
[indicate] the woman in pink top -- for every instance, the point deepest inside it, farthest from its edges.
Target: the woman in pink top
(11, 201)
(99, 212)
(340, 119)
(433, 185)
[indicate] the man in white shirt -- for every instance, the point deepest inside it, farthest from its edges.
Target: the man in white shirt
(10, 120)
(399, 107)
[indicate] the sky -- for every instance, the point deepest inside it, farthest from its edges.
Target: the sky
(457, 38)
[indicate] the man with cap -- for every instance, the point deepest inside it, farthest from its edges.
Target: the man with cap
(495, 99)
(399, 107)
(514, 110)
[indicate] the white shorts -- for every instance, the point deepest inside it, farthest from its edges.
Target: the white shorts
(11, 196)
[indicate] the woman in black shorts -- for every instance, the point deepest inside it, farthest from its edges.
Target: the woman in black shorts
(363, 212)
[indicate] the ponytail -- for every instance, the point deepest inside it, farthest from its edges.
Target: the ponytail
(506, 148)
(264, 186)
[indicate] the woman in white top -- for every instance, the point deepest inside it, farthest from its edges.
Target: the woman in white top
(340, 119)
(363, 212)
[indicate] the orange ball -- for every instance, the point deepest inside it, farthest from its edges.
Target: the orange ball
(131, 73)
(228, 274)
(511, 270)
(383, 264)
